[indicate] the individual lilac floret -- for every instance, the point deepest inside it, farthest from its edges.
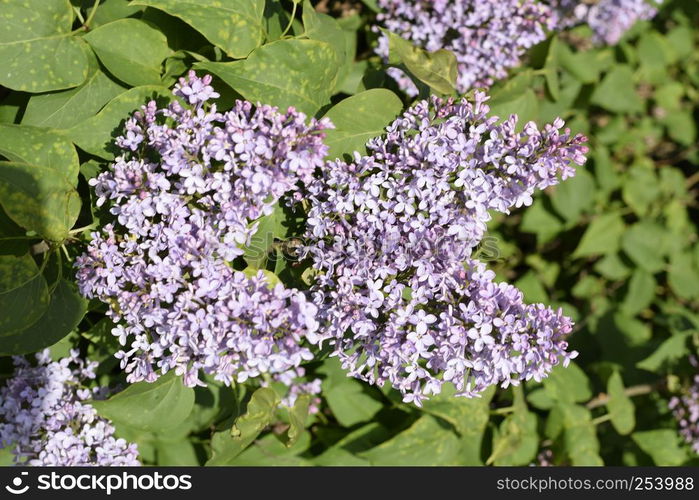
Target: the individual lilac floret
(391, 236)
(44, 416)
(487, 36)
(608, 19)
(185, 196)
(685, 408)
(299, 385)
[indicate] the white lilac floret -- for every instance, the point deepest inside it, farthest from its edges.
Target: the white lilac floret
(45, 419)
(685, 409)
(488, 37)
(184, 195)
(391, 236)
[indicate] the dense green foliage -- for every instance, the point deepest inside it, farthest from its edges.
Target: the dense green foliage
(616, 246)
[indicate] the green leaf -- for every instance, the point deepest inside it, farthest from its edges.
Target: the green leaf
(584, 66)
(149, 407)
(39, 53)
(617, 92)
(326, 29)
(269, 227)
(662, 445)
(131, 50)
(643, 243)
(176, 454)
(568, 384)
(23, 294)
(612, 267)
(641, 292)
(469, 416)
(538, 220)
(426, 442)
(669, 351)
(358, 119)
(297, 418)
(111, 10)
(437, 70)
(299, 73)
(234, 26)
(574, 196)
(227, 445)
(65, 109)
(551, 69)
(602, 236)
(350, 403)
(580, 436)
(525, 105)
(96, 135)
(621, 409)
(681, 127)
(683, 276)
(640, 189)
(65, 311)
(40, 146)
(38, 199)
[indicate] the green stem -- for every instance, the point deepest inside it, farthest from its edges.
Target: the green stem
(635, 390)
(291, 21)
(604, 418)
(87, 22)
(503, 411)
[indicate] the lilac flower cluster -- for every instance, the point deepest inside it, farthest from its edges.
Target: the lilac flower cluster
(401, 299)
(686, 411)
(608, 19)
(185, 195)
(487, 36)
(44, 416)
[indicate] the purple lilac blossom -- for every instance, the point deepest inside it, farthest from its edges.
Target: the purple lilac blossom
(608, 19)
(185, 194)
(391, 236)
(487, 36)
(44, 416)
(298, 385)
(685, 409)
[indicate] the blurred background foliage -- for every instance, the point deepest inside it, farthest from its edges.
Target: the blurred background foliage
(616, 246)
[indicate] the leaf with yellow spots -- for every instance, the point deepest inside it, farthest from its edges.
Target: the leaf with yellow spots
(236, 26)
(96, 135)
(131, 50)
(38, 199)
(37, 50)
(298, 73)
(65, 109)
(40, 146)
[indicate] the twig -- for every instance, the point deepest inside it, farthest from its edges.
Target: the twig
(635, 390)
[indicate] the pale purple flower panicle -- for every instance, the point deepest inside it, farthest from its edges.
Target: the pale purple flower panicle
(391, 236)
(44, 416)
(185, 195)
(608, 19)
(487, 36)
(685, 409)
